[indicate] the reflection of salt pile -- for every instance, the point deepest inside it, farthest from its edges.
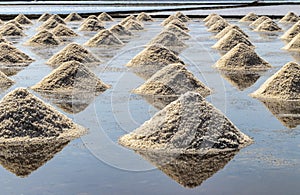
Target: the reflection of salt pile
(91, 25)
(22, 19)
(71, 77)
(23, 159)
(268, 25)
(189, 170)
(73, 17)
(44, 17)
(290, 17)
(294, 44)
(179, 24)
(49, 24)
(177, 31)
(167, 39)
(172, 80)
(218, 26)
(242, 57)
(43, 38)
(284, 84)
(11, 55)
(33, 120)
(227, 29)
(63, 31)
(133, 25)
(291, 32)
(231, 39)
(250, 17)
(120, 31)
(11, 30)
(5, 82)
(152, 59)
(143, 17)
(190, 125)
(260, 20)
(105, 17)
(104, 38)
(73, 51)
(57, 18)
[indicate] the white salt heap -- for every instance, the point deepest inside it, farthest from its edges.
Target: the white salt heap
(207, 18)
(125, 20)
(91, 25)
(10, 55)
(189, 125)
(218, 26)
(43, 38)
(143, 17)
(120, 31)
(44, 17)
(290, 17)
(17, 24)
(49, 24)
(11, 30)
(294, 44)
(63, 31)
(170, 19)
(227, 29)
(291, 32)
(104, 38)
(260, 20)
(73, 17)
(5, 81)
(177, 31)
(268, 25)
(22, 19)
(213, 20)
(179, 24)
(250, 17)
(167, 39)
(57, 18)
(182, 17)
(133, 25)
(105, 17)
(283, 85)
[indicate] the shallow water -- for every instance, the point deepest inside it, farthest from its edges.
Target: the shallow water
(96, 164)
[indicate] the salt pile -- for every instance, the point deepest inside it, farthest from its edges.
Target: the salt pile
(63, 31)
(12, 56)
(70, 77)
(133, 25)
(3, 40)
(289, 18)
(242, 57)
(172, 80)
(125, 20)
(268, 25)
(143, 17)
(26, 118)
(179, 24)
(73, 17)
(291, 32)
(170, 19)
(283, 85)
(231, 39)
(44, 17)
(294, 44)
(49, 24)
(250, 17)
(5, 81)
(177, 31)
(213, 20)
(43, 38)
(260, 20)
(207, 18)
(218, 26)
(11, 30)
(227, 29)
(104, 38)
(105, 17)
(73, 51)
(91, 25)
(22, 19)
(189, 125)
(17, 24)
(57, 18)
(120, 31)
(167, 39)
(182, 17)
(91, 17)
(152, 59)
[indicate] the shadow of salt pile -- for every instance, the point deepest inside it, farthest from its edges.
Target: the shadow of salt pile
(23, 159)
(189, 170)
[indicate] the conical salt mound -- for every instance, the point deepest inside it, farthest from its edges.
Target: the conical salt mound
(125, 20)
(167, 39)
(242, 57)
(105, 17)
(11, 55)
(268, 26)
(179, 24)
(133, 25)
(73, 17)
(73, 51)
(170, 19)
(48, 25)
(63, 31)
(177, 31)
(227, 29)
(11, 30)
(43, 38)
(91, 25)
(250, 17)
(289, 18)
(17, 24)
(104, 38)
(218, 26)
(189, 125)
(57, 18)
(71, 77)
(283, 85)
(120, 31)
(44, 17)
(5, 81)
(22, 19)
(231, 39)
(3, 40)
(213, 20)
(143, 17)
(172, 80)
(291, 32)
(182, 17)
(32, 119)
(294, 44)
(260, 20)
(207, 18)
(94, 17)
